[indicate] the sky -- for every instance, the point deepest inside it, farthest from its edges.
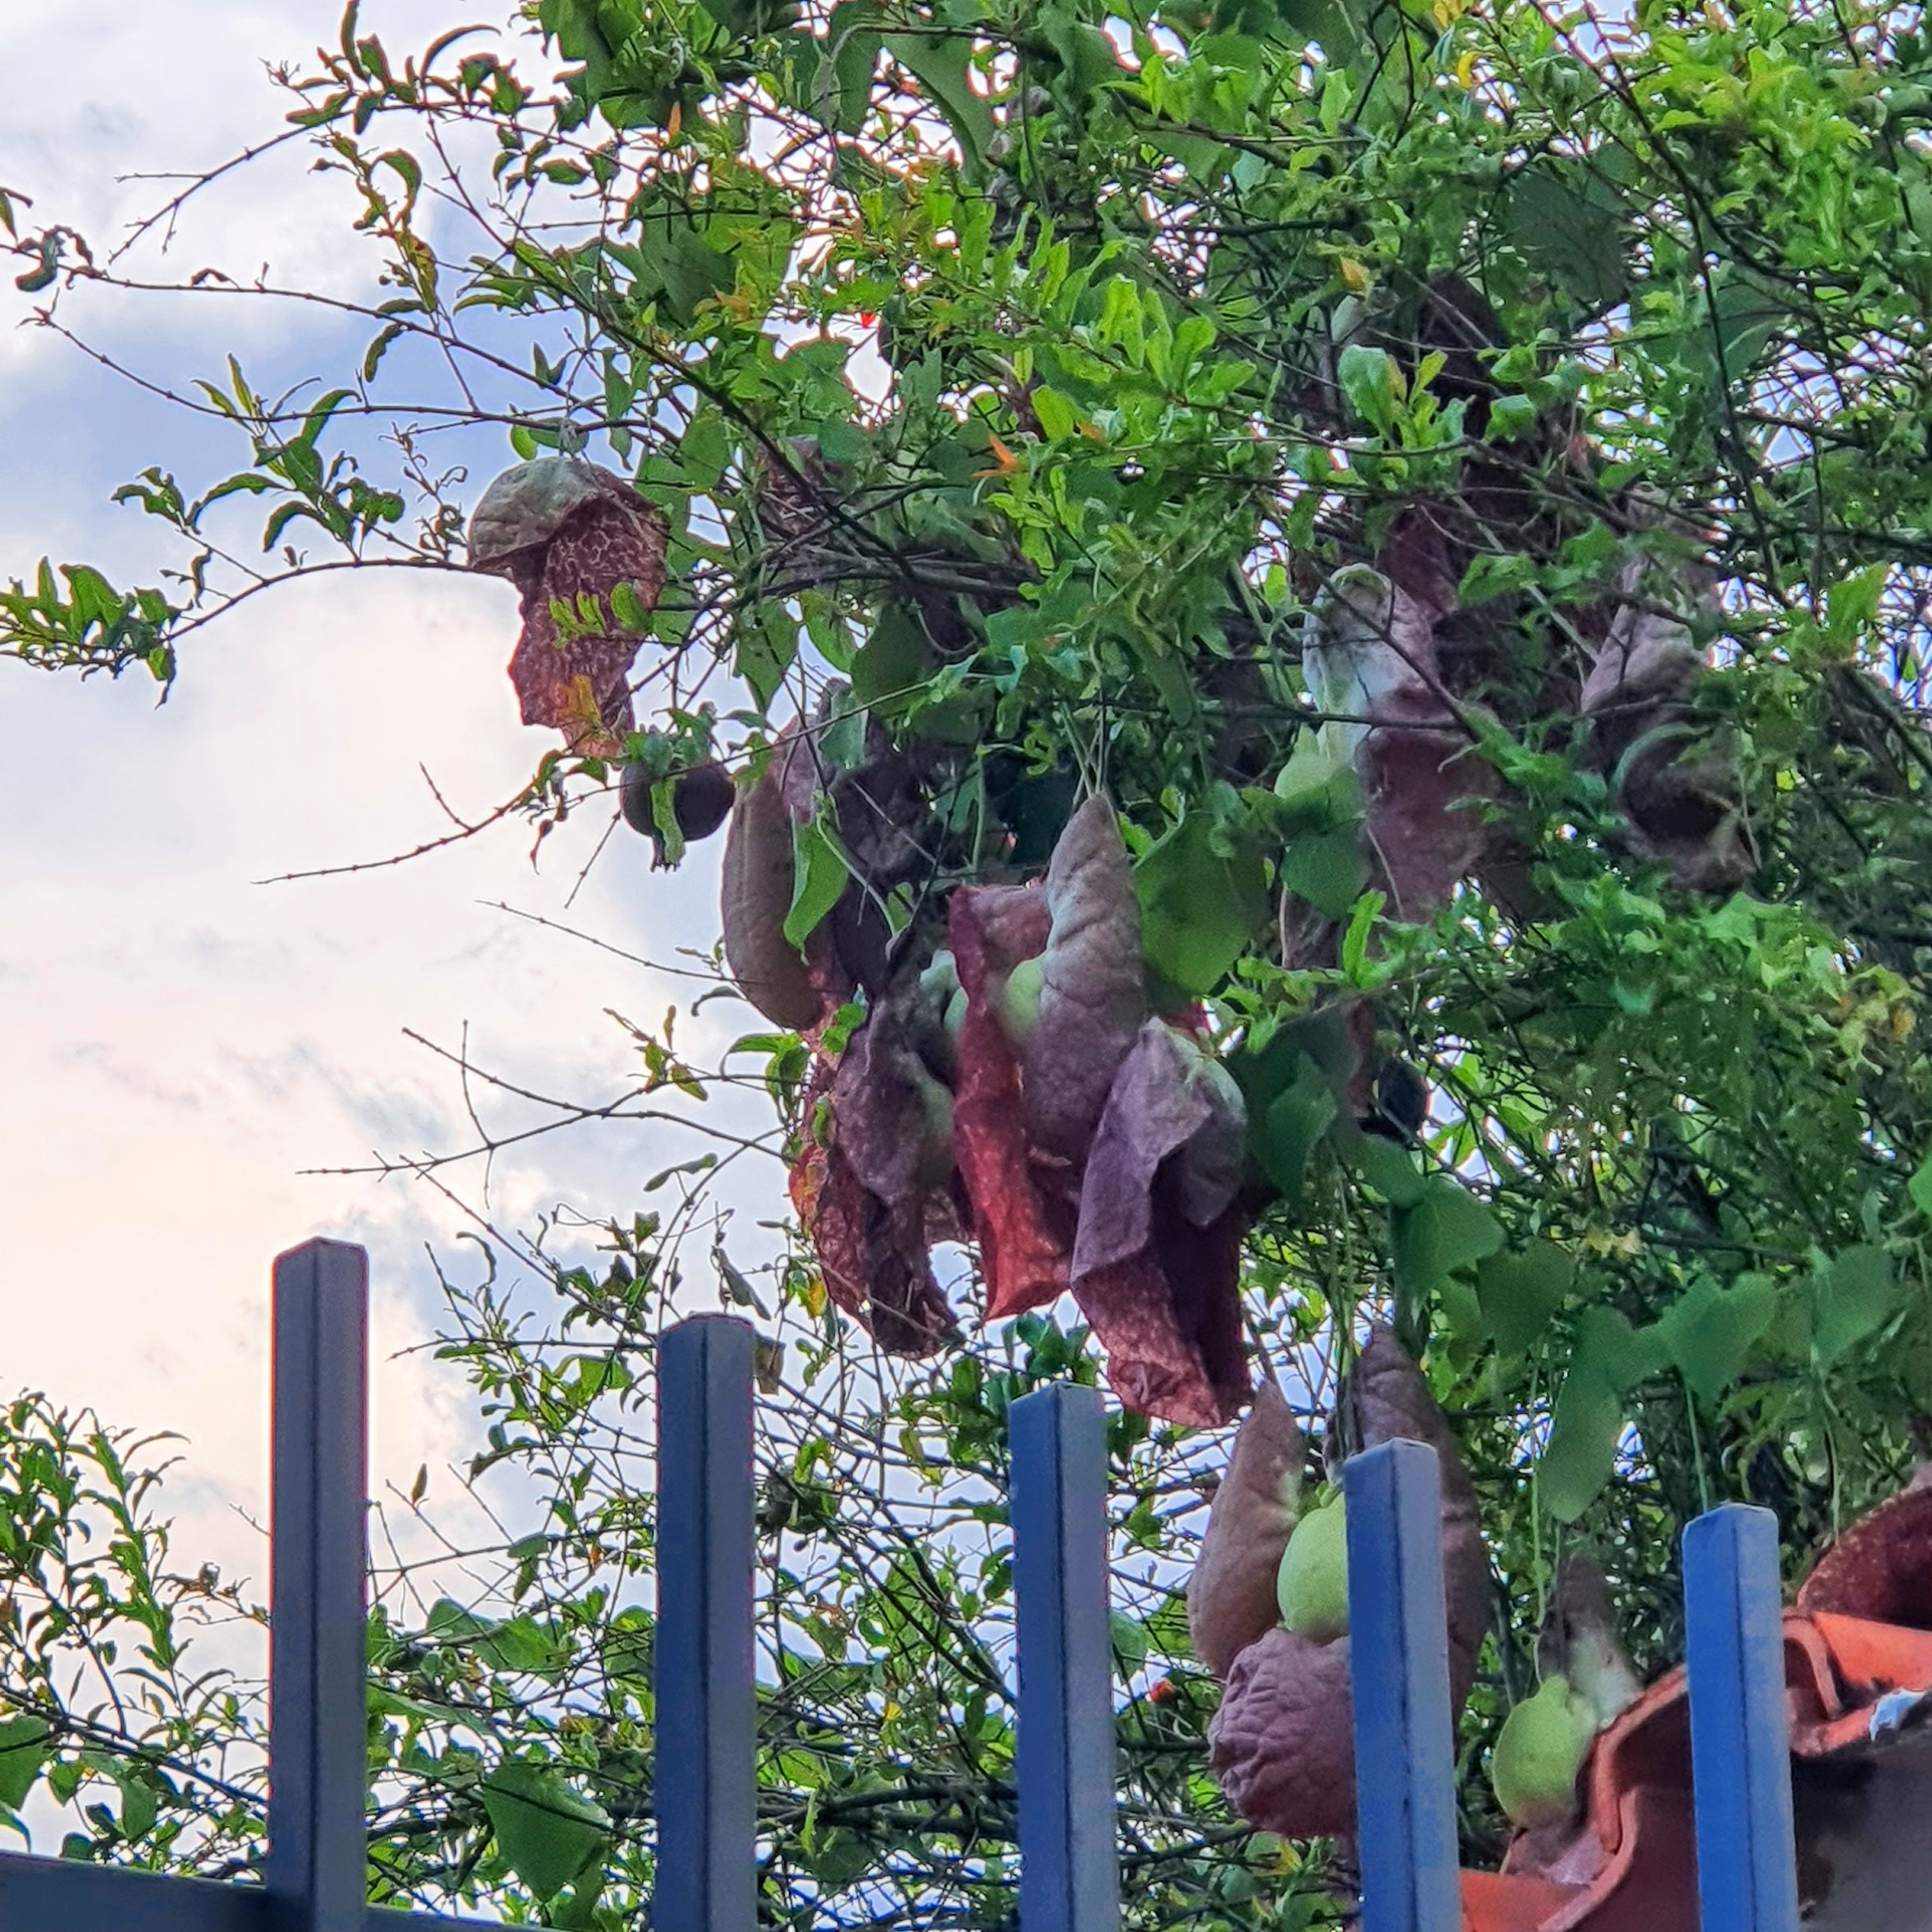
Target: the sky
(179, 1043)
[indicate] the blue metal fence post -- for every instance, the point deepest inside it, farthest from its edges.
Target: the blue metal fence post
(318, 1643)
(1740, 1732)
(705, 1776)
(1069, 1872)
(1404, 1734)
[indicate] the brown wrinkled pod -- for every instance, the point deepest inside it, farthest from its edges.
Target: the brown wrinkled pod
(1281, 1745)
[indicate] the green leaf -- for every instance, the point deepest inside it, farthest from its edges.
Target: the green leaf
(1058, 419)
(1327, 870)
(837, 1858)
(1318, 791)
(1372, 382)
(1582, 1450)
(1570, 223)
(893, 661)
(1281, 1137)
(1519, 1293)
(943, 64)
(1129, 1641)
(521, 1645)
(765, 644)
(1920, 1187)
(1391, 1170)
(1447, 1230)
(1510, 417)
(547, 1831)
(1734, 322)
(1085, 53)
(1203, 892)
(1355, 938)
(1709, 1330)
(1851, 1300)
(819, 873)
(1623, 1355)
(25, 1743)
(140, 1803)
(838, 88)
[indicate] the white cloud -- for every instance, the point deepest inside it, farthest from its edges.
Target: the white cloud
(178, 1042)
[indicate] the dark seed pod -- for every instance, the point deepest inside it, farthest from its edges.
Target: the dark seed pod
(701, 800)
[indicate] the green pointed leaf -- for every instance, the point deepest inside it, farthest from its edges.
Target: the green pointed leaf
(1520, 1292)
(1709, 1330)
(819, 873)
(765, 643)
(1446, 1230)
(1622, 1355)
(547, 1831)
(942, 64)
(1390, 1169)
(1130, 1642)
(891, 663)
(1203, 893)
(1372, 382)
(1852, 1300)
(1285, 1134)
(1920, 1187)
(25, 1743)
(1570, 223)
(1581, 1451)
(1327, 870)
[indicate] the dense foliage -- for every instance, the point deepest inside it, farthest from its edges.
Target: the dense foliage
(1065, 384)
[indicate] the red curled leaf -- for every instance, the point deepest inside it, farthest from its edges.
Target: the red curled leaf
(1093, 983)
(1025, 1230)
(1230, 1596)
(864, 1197)
(564, 530)
(1170, 1318)
(1156, 1261)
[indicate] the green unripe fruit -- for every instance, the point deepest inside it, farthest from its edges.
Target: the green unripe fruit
(936, 1155)
(956, 1020)
(1312, 1585)
(1017, 1003)
(1541, 1750)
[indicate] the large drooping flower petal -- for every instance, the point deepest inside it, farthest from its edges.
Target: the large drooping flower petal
(1282, 1747)
(1093, 983)
(867, 1197)
(566, 532)
(1369, 658)
(1230, 1596)
(1021, 1210)
(1392, 1401)
(877, 809)
(1156, 1260)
